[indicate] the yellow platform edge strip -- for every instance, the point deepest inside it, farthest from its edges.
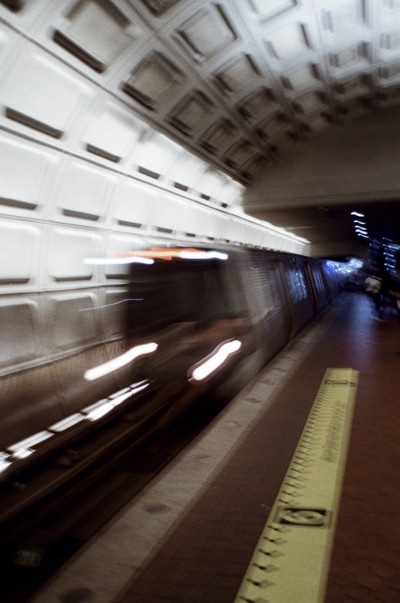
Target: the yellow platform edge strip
(291, 560)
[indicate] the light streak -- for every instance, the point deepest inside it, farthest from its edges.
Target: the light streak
(206, 255)
(4, 461)
(68, 422)
(118, 260)
(134, 389)
(23, 448)
(117, 363)
(98, 410)
(122, 301)
(213, 361)
(167, 253)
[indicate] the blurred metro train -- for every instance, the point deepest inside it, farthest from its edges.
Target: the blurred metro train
(182, 323)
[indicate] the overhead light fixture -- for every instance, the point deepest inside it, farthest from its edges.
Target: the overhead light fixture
(356, 213)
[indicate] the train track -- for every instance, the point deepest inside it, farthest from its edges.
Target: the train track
(48, 512)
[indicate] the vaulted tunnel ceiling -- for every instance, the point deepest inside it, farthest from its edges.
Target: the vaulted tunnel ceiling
(246, 83)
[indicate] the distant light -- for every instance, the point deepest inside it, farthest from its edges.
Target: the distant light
(212, 362)
(355, 263)
(360, 222)
(117, 363)
(359, 234)
(356, 213)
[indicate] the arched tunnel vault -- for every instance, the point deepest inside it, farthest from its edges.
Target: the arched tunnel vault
(234, 112)
(312, 190)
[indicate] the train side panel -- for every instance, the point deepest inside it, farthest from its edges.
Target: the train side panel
(254, 299)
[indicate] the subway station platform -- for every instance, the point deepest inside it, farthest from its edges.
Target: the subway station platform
(194, 532)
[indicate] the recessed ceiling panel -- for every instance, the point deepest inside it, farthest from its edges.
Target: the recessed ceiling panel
(344, 15)
(253, 165)
(390, 41)
(110, 132)
(348, 56)
(309, 102)
(389, 12)
(390, 71)
(240, 153)
(300, 78)
(188, 116)
(237, 74)
(152, 79)
(350, 87)
(52, 112)
(288, 42)
(205, 34)
(155, 154)
(159, 7)
(350, 109)
(315, 122)
(271, 8)
(389, 96)
(219, 137)
(94, 33)
(257, 105)
(272, 128)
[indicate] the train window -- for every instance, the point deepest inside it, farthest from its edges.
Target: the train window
(297, 285)
(317, 276)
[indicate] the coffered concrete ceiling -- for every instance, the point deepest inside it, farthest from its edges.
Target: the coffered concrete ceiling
(265, 90)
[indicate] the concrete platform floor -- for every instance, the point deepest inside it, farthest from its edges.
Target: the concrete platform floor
(191, 533)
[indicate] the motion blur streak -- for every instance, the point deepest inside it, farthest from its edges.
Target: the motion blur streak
(98, 410)
(168, 253)
(206, 255)
(117, 363)
(212, 362)
(119, 260)
(25, 447)
(4, 462)
(134, 389)
(122, 301)
(70, 421)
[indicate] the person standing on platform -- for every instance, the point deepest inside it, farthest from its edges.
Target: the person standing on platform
(373, 286)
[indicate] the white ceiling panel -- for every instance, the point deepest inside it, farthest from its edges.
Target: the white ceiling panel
(205, 33)
(288, 42)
